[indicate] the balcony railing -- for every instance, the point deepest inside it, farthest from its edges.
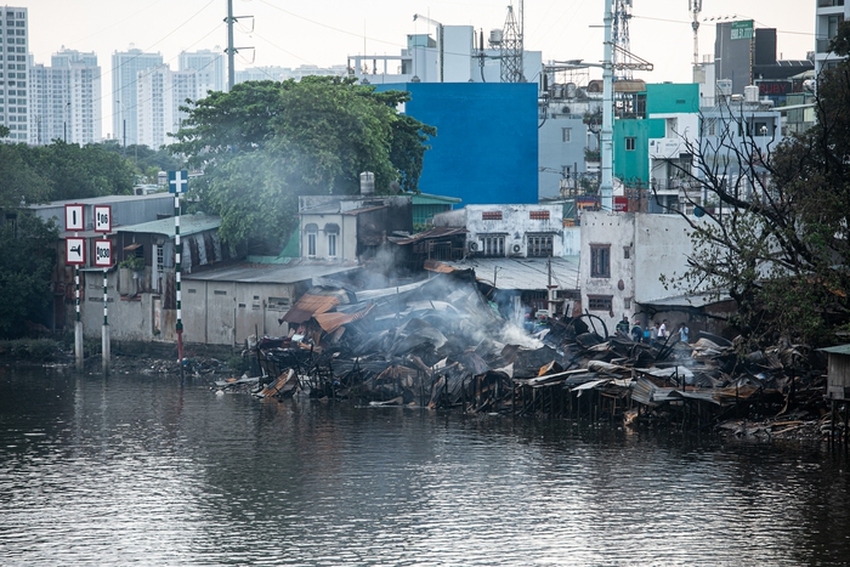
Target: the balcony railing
(828, 3)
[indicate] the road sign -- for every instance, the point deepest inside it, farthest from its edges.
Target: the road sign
(74, 219)
(103, 218)
(178, 181)
(103, 253)
(742, 30)
(75, 250)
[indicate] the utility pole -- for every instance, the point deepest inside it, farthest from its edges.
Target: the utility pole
(606, 187)
(231, 50)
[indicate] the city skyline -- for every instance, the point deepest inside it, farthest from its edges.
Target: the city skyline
(324, 33)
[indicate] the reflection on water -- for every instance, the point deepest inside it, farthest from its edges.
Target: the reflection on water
(139, 470)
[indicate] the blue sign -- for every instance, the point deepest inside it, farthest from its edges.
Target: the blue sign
(178, 181)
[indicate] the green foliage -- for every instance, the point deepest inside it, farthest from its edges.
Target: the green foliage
(61, 171)
(265, 143)
(134, 263)
(25, 269)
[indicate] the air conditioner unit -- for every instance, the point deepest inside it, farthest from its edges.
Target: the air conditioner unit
(473, 246)
(516, 249)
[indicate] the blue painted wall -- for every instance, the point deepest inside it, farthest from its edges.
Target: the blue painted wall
(485, 150)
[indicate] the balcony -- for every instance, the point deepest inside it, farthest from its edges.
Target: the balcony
(830, 3)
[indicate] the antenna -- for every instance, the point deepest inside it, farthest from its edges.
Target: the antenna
(512, 47)
(622, 15)
(695, 6)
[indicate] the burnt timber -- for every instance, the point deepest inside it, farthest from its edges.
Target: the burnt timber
(440, 343)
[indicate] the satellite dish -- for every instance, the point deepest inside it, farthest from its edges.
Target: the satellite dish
(699, 212)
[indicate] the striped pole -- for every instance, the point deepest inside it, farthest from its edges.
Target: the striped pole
(177, 262)
(78, 323)
(105, 335)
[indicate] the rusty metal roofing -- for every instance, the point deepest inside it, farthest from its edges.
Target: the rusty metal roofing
(331, 321)
(309, 306)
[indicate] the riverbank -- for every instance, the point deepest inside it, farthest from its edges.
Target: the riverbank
(812, 423)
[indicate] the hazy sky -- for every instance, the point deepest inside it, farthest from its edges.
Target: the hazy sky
(290, 33)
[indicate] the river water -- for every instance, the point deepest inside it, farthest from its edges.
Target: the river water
(141, 470)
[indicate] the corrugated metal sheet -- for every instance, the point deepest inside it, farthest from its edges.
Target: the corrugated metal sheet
(309, 306)
(330, 322)
(298, 270)
(189, 224)
(524, 273)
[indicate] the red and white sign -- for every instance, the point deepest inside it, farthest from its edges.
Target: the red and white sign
(621, 204)
(75, 251)
(103, 218)
(103, 253)
(74, 219)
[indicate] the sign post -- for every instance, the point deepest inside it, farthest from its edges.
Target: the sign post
(103, 258)
(178, 182)
(75, 255)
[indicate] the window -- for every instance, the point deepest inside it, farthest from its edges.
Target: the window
(600, 260)
(494, 244)
(312, 231)
(566, 135)
(491, 215)
(631, 141)
(539, 215)
(627, 252)
(332, 245)
(599, 303)
(540, 245)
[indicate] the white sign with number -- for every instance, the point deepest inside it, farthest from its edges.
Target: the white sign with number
(103, 253)
(74, 219)
(103, 218)
(75, 250)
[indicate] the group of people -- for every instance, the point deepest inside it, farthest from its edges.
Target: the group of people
(659, 332)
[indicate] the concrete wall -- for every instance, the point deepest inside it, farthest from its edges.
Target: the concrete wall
(517, 224)
(662, 245)
(227, 313)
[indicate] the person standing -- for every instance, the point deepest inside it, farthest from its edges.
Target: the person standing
(623, 326)
(684, 332)
(663, 332)
(637, 331)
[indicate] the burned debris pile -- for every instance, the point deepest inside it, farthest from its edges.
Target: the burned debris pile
(441, 344)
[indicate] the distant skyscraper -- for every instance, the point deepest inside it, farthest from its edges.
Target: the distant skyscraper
(125, 72)
(160, 93)
(210, 67)
(14, 93)
(65, 99)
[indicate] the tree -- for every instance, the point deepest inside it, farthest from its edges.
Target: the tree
(25, 268)
(264, 143)
(776, 236)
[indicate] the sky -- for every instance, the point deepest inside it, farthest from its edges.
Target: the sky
(290, 33)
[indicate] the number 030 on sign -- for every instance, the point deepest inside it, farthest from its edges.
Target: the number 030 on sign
(103, 253)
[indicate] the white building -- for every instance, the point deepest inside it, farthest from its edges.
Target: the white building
(624, 255)
(14, 94)
(65, 99)
(210, 67)
(161, 93)
(517, 231)
(829, 14)
(126, 66)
